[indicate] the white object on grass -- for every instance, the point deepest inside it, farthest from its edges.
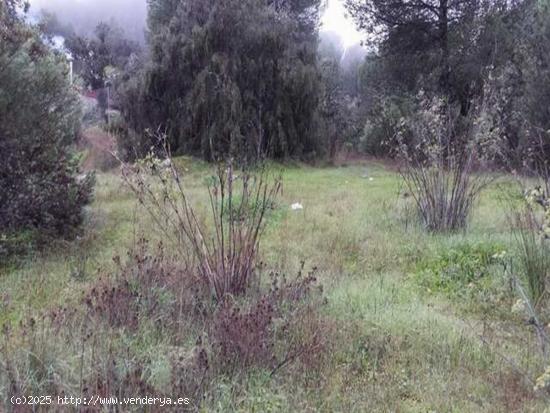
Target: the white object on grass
(297, 206)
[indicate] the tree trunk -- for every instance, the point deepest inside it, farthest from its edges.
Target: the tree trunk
(443, 27)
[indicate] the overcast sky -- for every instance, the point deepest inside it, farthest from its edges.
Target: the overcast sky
(85, 14)
(335, 20)
(130, 14)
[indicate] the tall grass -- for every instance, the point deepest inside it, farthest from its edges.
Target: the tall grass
(531, 225)
(534, 254)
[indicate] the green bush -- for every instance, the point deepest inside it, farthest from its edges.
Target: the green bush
(384, 121)
(39, 187)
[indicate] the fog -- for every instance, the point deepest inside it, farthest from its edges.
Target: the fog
(84, 15)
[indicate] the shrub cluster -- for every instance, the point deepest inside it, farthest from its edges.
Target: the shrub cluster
(151, 328)
(165, 324)
(39, 188)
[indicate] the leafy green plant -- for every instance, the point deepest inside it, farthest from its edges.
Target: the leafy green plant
(238, 210)
(452, 270)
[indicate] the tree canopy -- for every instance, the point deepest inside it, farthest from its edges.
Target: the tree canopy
(233, 78)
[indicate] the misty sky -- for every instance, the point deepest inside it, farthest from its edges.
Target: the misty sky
(131, 15)
(335, 20)
(85, 14)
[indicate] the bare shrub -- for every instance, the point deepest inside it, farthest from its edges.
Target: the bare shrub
(438, 166)
(242, 336)
(224, 252)
(530, 223)
(148, 286)
(279, 327)
(106, 351)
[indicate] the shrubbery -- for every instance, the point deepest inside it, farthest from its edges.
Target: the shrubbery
(151, 327)
(226, 252)
(384, 124)
(39, 188)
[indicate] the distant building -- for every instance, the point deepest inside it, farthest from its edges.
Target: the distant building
(58, 43)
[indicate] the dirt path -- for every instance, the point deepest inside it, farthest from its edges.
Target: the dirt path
(98, 145)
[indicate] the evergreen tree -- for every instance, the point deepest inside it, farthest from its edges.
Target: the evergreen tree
(234, 78)
(418, 24)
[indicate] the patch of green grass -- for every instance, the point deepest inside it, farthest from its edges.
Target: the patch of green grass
(453, 269)
(408, 352)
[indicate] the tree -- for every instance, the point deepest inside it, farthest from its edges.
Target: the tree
(96, 59)
(536, 66)
(333, 109)
(416, 23)
(108, 47)
(40, 116)
(522, 84)
(233, 78)
(340, 72)
(443, 49)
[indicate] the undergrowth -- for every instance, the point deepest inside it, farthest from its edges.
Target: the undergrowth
(471, 274)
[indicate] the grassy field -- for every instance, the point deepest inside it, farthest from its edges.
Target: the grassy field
(418, 322)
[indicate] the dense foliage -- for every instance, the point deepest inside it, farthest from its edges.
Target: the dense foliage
(464, 53)
(39, 120)
(521, 84)
(232, 78)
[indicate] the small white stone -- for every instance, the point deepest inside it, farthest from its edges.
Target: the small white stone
(81, 178)
(296, 206)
